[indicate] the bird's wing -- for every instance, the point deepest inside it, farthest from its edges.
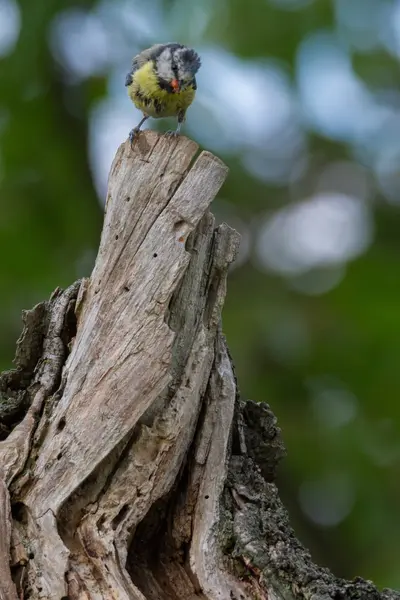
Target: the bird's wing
(141, 59)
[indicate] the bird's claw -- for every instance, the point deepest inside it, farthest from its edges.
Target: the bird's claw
(173, 133)
(132, 134)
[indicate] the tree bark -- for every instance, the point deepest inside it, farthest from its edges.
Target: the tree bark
(130, 467)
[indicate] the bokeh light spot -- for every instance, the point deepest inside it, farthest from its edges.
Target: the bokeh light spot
(329, 500)
(80, 42)
(327, 229)
(360, 22)
(333, 406)
(10, 25)
(317, 281)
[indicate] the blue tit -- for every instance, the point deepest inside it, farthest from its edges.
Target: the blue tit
(162, 82)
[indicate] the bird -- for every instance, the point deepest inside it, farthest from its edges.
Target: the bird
(162, 83)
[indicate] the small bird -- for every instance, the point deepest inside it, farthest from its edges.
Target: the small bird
(162, 83)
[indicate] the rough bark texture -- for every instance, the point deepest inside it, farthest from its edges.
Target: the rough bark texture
(129, 466)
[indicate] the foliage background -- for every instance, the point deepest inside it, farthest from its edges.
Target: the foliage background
(301, 99)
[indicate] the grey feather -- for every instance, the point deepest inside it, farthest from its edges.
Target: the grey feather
(188, 61)
(142, 58)
(149, 54)
(192, 60)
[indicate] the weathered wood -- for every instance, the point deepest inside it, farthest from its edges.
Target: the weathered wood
(134, 469)
(7, 586)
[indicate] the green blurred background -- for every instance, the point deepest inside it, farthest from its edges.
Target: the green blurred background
(301, 98)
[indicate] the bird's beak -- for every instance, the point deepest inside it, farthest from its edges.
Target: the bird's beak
(175, 85)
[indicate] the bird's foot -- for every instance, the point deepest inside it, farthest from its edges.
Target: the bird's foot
(172, 133)
(133, 134)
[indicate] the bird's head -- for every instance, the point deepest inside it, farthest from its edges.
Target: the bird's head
(176, 67)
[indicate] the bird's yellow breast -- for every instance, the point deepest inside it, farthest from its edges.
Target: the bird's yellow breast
(147, 95)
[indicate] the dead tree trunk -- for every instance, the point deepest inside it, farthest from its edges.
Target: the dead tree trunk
(129, 466)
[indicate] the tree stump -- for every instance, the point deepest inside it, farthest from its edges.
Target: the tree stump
(130, 468)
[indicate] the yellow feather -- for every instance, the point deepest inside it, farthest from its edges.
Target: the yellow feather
(148, 97)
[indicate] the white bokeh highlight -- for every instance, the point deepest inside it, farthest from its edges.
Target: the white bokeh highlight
(80, 42)
(10, 25)
(390, 27)
(334, 407)
(327, 229)
(109, 125)
(336, 102)
(317, 281)
(329, 500)
(361, 22)
(249, 107)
